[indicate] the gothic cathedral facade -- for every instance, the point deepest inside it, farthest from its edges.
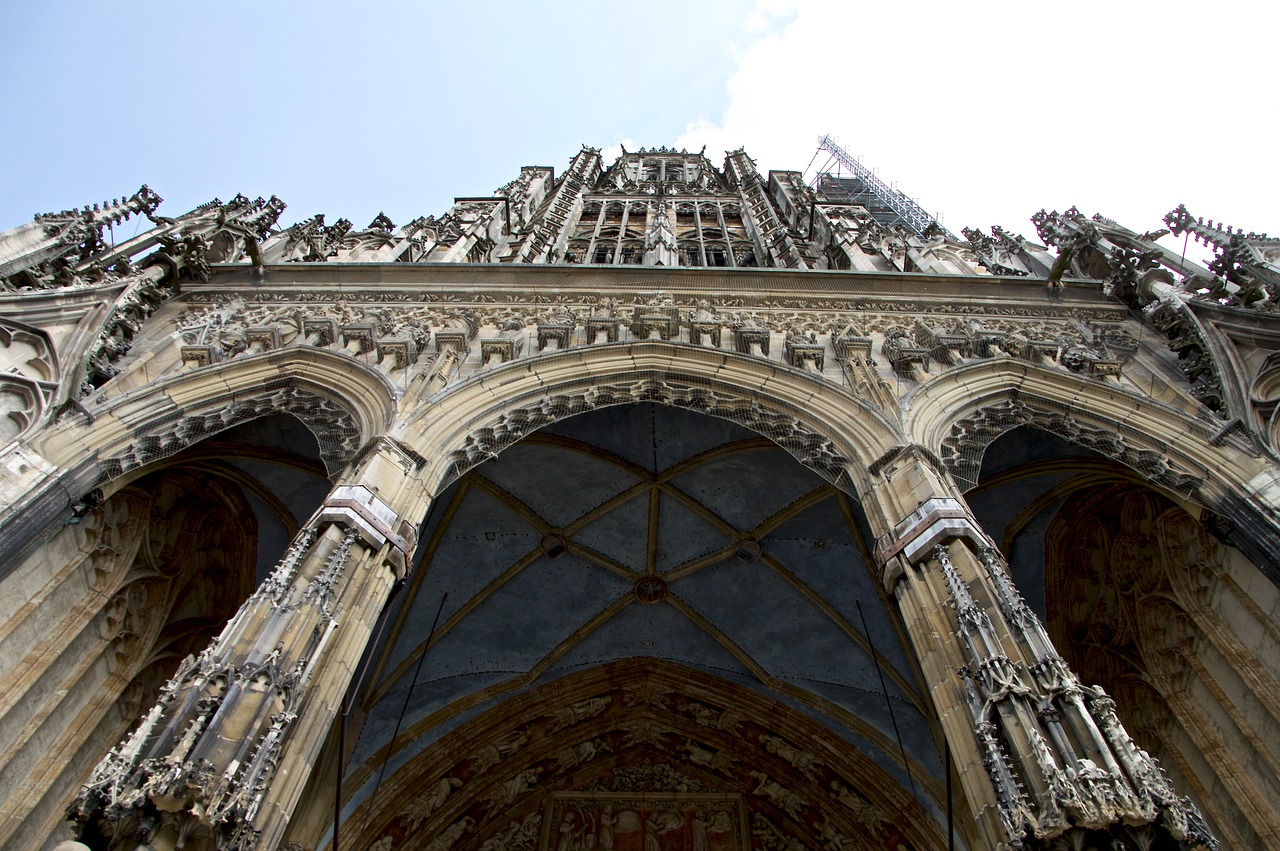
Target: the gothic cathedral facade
(648, 504)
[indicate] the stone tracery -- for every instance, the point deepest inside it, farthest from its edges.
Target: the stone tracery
(1145, 625)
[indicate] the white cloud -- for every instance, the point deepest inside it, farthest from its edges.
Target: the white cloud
(609, 153)
(987, 114)
(766, 13)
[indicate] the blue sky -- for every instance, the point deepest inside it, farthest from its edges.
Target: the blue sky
(984, 112)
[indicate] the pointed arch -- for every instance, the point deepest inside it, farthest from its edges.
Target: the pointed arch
(595, 731)
(960, 413)
(344, 403)
(823, 426)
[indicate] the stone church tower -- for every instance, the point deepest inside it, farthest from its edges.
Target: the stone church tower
(650, 504)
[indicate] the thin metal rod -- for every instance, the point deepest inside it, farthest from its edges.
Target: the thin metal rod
(373, 796)
(875, 657)
(353, 690)
(951, 822)
(337, 793)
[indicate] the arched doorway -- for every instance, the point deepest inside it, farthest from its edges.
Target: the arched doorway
(138, 584)
(1144, 594)
(651, 616)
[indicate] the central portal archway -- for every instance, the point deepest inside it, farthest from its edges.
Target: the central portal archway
(654, 626)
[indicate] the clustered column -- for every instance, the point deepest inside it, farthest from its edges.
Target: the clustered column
(1040, 756)
(222, 758)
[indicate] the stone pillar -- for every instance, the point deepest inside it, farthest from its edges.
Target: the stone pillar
(1042, 759)
(221, 759)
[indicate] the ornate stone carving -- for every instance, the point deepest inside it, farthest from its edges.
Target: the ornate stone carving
(29, 376)
(63, 249)
(770, 838)
(180, 763)
(1060, 789)
(646, 777)
(312, 241)
(778, 795)
(240, 226)
(141, 296)
(705, 716)
(1249, 263)
(962, 449)
(519, 835)
(998, 253)
(809, 448)
(213, 750)
(1195, 357)
(494, 752)
(335, 429)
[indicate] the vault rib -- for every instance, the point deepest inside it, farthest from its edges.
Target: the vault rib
(748, 662)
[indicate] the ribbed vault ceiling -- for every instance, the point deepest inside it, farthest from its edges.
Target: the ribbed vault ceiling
(644, 531)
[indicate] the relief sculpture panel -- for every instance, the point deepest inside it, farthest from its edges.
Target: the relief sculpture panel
(601, 821)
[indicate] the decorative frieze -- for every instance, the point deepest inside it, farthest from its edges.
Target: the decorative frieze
(914, 344)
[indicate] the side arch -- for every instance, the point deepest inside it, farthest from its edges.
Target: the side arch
(345, 404)
(1199, 460)
(825, 427)
(960, 413)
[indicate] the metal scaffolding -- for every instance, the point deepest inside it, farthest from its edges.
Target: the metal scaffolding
(861, 186)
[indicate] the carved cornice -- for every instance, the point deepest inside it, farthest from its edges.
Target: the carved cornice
(814, 300)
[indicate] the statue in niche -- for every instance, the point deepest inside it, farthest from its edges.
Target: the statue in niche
(784, 798)
(490, 754)
(582, 752)
(513, 788)
(519, 835)
(567, 825)
(607, 309)
(580, 711)
(799, 759)
(798, 334)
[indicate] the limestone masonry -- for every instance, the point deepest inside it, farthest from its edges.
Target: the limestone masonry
(657, 504)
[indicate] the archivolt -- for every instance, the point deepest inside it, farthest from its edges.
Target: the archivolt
(961, 413)
(636, 725)
(824, 427)
(344, 403)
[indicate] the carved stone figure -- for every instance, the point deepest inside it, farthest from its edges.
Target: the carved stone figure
(430, 800)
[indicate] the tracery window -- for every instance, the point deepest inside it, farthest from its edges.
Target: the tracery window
(612, 231)
(712, 233)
